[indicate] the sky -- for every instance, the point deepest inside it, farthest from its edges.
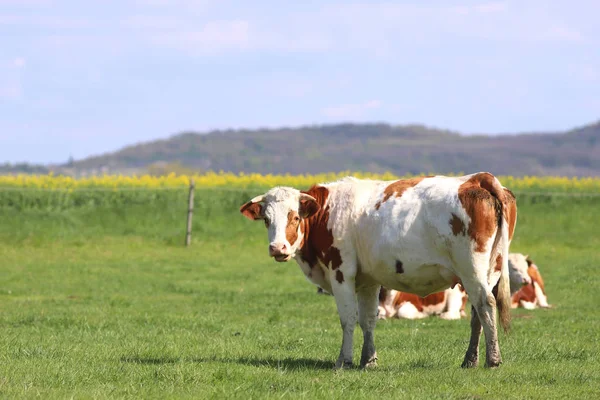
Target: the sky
(79, 78)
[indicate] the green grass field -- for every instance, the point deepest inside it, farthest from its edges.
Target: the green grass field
(103, 302)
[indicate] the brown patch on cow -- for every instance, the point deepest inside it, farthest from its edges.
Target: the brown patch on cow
(291, 230)
(534, 274)
(526, 293)
(434, 298)
(511, 212)
(498, 267)
(317, 243)
(339, 276)
(399, 269)
(251, 210)
(482, 198)
(334, 257)
(403, 297)
(308, 207)
(398, 188)
(458, 226)
(417, 301)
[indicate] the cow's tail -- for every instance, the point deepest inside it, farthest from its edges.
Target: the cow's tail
(501, 247)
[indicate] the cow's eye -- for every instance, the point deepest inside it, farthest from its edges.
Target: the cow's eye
(296, 218)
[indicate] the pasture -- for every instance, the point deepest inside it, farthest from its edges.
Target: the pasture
(99, 299)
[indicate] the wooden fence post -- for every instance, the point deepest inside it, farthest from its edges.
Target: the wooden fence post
(188, 234)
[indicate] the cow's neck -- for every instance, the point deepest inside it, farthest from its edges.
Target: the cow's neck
(317, 239)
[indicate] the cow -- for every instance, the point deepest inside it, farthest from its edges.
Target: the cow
(419, 235)
(449, 304)
(532, 294)
(517, 272)
(526, 288)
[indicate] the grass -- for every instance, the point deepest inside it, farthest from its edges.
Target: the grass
(106, 303)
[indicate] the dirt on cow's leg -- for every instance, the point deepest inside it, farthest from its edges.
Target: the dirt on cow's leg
(486, 311)
(492, 348)
(472, 356)
(367, 318)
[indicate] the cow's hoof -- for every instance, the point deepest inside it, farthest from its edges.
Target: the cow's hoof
(372, 363)
(470, 363)
(343, 365)
(493, 364)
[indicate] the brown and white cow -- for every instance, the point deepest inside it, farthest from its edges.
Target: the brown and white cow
(449, 304)
(517, 272)
(419, 235)
(526, 287)
(532, 294)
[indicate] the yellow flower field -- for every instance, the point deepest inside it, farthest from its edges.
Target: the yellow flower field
(241, 181)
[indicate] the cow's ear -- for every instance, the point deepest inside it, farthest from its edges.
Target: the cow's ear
(252, 210)
(308, 207)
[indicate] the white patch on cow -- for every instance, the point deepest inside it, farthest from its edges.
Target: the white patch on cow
(540, 297)
(386, 309)
(409, 311)
(517, 269)
(316, 275)
(528, 305)
(453, 303)
(279, 202)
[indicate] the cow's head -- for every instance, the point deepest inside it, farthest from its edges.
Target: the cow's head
(282, 209)
(517, 268)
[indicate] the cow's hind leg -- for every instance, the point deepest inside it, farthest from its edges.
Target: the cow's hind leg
(343, 288)
(367, 318)
(472, 357)
(484, 304)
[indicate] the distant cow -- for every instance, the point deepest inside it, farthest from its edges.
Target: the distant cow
(449, 304)
(526, 286)
(419, 235)
(533, 293)
(517, 271)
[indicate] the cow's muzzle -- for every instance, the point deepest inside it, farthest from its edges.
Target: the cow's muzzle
(279, 252)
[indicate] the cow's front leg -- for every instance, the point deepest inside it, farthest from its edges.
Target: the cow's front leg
(343, 288)
(367, 318)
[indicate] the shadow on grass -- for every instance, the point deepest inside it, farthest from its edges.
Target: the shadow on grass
(286, 363)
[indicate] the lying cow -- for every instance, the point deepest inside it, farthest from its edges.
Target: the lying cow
(532, 293)
(419, 235)
(449, 304)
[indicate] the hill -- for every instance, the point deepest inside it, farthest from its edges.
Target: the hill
(366, 147)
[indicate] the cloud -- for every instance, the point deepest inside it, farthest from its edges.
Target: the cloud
(351, 111)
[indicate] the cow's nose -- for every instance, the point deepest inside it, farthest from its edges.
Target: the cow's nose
(277, 248)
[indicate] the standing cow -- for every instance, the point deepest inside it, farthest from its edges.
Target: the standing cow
(418, 235)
